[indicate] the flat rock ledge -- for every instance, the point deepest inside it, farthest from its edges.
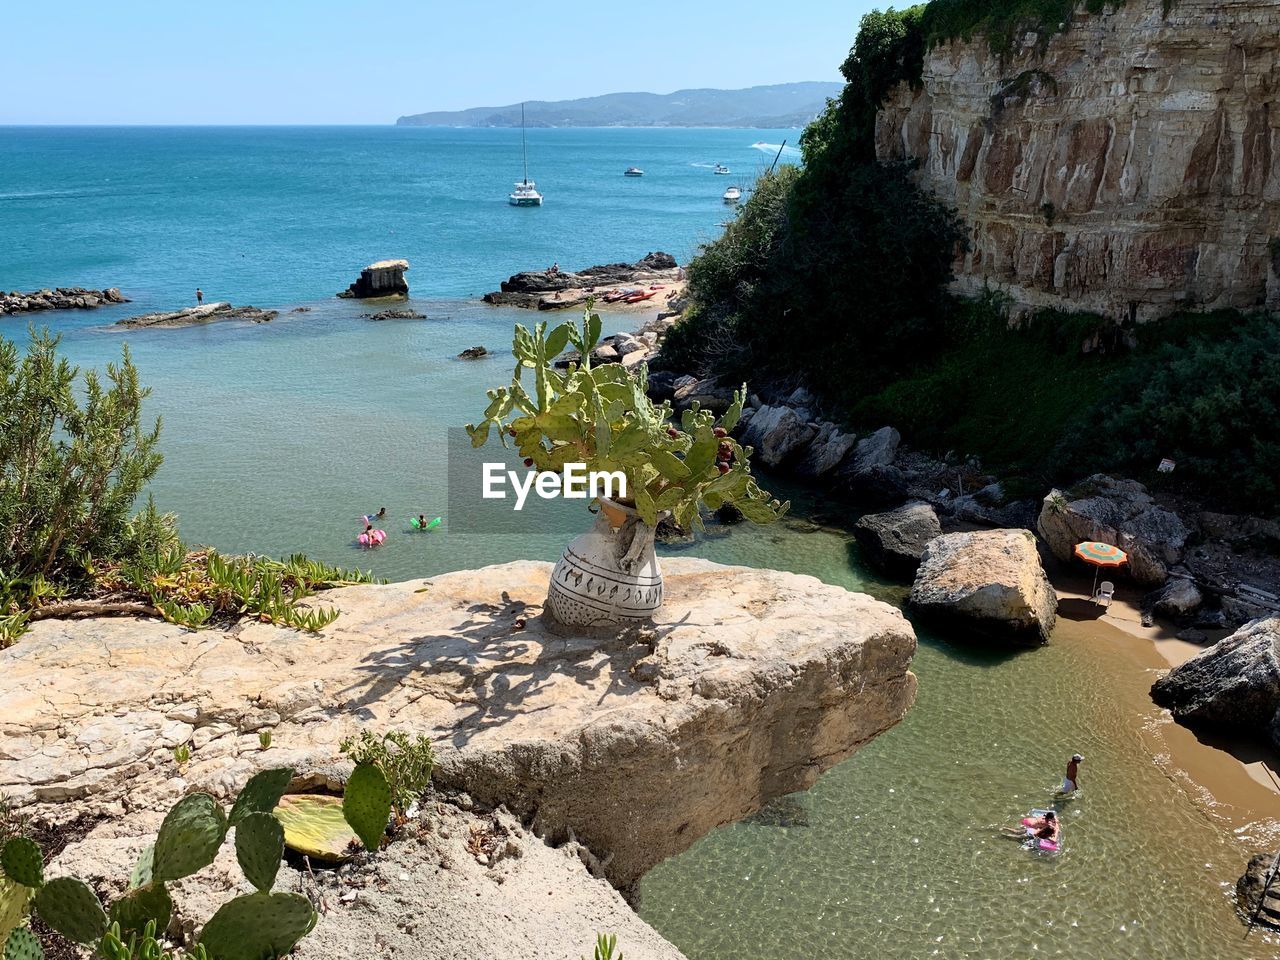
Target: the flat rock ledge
(195, 316)
(749, 685)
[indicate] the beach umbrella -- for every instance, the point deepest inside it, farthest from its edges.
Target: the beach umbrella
(1100, 555)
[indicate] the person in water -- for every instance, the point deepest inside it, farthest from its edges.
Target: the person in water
(1047, 828)
(1071, 782)
(368, 536)
(422, 521)
(381, 514)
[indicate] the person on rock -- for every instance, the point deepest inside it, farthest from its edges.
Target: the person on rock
(199, 295)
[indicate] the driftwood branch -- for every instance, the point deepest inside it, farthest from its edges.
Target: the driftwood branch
(79, 609)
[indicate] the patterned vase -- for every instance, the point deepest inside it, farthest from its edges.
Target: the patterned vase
(609, 576)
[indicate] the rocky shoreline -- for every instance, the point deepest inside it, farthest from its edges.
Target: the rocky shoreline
(58, 298)
(555, 289)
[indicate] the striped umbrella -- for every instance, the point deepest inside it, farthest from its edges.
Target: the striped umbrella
(1100, 555)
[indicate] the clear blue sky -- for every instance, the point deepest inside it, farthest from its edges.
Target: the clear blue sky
(322, 61)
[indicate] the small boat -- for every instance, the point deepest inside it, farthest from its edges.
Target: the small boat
(733, 195)
(633, 172)
(640, 296)
(722, 170)
(526, 192)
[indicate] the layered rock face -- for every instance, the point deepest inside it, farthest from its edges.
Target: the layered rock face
(748, 686)
(382, 279)
(1131, 168)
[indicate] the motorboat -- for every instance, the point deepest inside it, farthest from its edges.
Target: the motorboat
(633, 172)
(733, 195)
(722, 170)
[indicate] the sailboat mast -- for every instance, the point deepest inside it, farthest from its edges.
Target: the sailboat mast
(524, 149)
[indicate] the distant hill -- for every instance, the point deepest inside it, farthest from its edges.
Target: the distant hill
(776, 106)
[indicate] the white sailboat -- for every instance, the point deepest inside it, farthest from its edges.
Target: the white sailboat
(526, 192)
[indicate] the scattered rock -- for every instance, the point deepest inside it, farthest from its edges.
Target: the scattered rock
(876, 450)
(895, 541)
(300, 310)
(59, 298)
(662, 385)
(1118, 512)
(776, 433)
(826, 452)
(382, 279)
(205, 313)
(473, 353)
(530, 289)
(1233, 687)
(988, 581)
(396, 315)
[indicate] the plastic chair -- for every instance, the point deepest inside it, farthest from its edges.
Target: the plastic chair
(1106, 590)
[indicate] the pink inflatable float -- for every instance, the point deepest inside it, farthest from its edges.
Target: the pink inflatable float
(373, 538)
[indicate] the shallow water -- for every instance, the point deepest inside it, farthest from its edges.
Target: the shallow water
(278, 436)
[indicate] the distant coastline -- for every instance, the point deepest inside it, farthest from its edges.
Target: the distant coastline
(779, 106)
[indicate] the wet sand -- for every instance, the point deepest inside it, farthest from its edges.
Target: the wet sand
(1233, 780)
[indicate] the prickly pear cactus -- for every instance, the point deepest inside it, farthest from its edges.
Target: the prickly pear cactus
(261, 793)
(23, 945)
(71, 908)
(189, 838)
(149, 904)
(259, 847)
(314, 826)
(144, 868)
(366, 804)
(258, 926)
(14, 898)
(22, 861)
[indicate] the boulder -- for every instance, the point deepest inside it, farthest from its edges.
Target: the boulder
(1119, 512)
(662, 385)
(396, 315)
(895, 541)
(1233, 687)
(473, 353)
(657, 261)
(777, 434)
(826, 452)
(875, 450)
(878, 488)
(748, 685)
(1176, 600)
(382, 279)
(1250, 889)
(711, 394)
(989, 582)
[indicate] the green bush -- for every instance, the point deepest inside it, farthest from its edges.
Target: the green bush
(405, 761)
(71, 469)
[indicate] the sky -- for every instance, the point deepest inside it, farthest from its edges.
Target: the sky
(322, 61)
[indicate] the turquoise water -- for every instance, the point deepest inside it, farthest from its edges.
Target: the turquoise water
(278, 436)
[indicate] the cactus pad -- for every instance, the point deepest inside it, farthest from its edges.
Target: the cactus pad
(71, 908)
(366, 803)
(258, 926)
(189, 838)
(259, 847)
(143, 869)
(14, 898)
(314, 826)
(261, 793)
(22, 861)
(139, 907)
(23, 945)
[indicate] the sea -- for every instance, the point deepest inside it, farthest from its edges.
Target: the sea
(277, 437)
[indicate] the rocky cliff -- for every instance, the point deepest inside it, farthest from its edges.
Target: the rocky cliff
(1128, 164)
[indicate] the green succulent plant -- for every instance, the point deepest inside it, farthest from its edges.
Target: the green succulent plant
(601, 416)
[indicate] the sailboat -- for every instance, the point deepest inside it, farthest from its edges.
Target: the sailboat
(525, 193)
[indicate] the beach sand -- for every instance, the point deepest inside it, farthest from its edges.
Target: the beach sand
(1232, 779)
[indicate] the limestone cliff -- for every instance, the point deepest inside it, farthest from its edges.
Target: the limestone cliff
(1128, 165)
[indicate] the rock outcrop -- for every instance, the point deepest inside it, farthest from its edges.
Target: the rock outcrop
(60, 298)
(777, 434)
(382, 279)
(1126, 165)
(1252, 887)
(557, 289)
(989, 582)
(1118, 512)
(1234, 686)
(194, 316)
(895, 541)
(749, 684)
